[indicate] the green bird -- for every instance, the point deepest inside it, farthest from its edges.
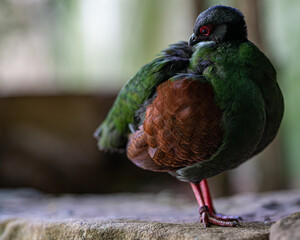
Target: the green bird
(200, 108)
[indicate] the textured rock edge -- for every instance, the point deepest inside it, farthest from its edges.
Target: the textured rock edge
(26, 228)
(287, 228)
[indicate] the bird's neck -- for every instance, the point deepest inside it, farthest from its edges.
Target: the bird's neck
(205, 53)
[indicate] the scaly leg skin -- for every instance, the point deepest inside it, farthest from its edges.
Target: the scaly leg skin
(205, 214)
(208, 201)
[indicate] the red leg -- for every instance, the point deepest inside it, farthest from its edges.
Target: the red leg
(198, 194)
(206, 216)
(208, 201)
(207, 197)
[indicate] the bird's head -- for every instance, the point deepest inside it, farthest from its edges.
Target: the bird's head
(219, 24)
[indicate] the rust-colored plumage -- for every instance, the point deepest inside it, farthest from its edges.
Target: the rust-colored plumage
(182, 126)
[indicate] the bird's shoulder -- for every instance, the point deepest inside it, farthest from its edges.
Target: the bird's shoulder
(251, 55)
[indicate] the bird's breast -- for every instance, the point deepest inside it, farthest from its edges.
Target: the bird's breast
(182, 126)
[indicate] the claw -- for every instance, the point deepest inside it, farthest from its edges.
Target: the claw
(227, 217)
(236, 223)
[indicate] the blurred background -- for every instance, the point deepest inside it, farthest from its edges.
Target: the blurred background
(63, 62)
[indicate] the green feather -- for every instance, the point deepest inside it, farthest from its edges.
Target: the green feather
(112, 133)
(244, 82)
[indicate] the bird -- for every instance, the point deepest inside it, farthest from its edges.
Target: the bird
(201, 107)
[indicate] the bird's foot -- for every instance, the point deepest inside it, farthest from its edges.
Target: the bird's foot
(226, 217)
(208, 219)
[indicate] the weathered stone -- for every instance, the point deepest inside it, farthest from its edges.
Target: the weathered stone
(287, 228)
(27, 214)
(29, 229)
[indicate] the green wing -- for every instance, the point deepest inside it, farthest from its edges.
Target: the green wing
(266, 80)
(237, 87)
(112, 133)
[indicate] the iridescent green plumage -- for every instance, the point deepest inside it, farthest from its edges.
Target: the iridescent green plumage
(243, 81)
(112, 133)
(246, 90)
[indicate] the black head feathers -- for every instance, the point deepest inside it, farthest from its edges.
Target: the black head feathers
(219, 24)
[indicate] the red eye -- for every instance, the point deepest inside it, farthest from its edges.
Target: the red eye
(205, 30)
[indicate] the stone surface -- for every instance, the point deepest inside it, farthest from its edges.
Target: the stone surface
(287, 228)
(27, 214)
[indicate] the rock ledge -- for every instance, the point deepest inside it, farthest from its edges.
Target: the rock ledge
(27, 214)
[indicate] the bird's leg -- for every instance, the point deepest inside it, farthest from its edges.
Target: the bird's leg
(203, 210)
(208, 201)
(205, 214)
(207, 197)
